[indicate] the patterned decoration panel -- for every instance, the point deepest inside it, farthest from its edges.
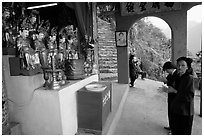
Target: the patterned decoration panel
(132, 8)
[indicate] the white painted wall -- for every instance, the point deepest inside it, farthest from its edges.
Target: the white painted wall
(68, 104)
(40, 111)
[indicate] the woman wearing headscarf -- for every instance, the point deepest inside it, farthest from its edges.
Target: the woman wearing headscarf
(182, 106)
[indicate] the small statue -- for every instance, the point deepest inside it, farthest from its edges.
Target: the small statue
(39, 43)
(33, 20)
(40, 48)
(42, 33)
(9, 34)
(72, 47)
(29, 59)
(62, 52)
(72, 42)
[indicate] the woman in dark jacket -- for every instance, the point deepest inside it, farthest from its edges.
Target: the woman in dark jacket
(182, 106)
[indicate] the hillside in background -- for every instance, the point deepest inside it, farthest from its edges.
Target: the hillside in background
(194, 37)
(194, 29)
(151, 46)
(167, 32)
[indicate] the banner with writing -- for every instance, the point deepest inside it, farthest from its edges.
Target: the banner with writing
(132, 8)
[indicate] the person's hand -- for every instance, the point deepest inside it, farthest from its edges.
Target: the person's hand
(163, 79)
(171, 90)
(165, 88)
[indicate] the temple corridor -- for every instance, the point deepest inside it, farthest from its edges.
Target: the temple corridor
(145, 111)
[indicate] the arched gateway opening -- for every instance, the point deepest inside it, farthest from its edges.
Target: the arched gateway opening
(176, 18)
(194, 30)
(149, 39)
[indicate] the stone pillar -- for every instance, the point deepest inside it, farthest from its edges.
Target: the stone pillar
(123, 66)
(178, 23)
(122, 54)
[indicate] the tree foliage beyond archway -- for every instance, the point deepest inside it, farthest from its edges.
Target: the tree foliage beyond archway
(151, 46)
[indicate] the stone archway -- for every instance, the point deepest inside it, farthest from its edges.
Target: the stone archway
(177, 21)
(148, 26)
(150, 44)
(178, 25)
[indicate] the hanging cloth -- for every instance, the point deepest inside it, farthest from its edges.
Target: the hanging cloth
(83, 16)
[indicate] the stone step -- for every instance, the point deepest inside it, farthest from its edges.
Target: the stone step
(107, 48)
(107, 54)
(108, 65)
(106, 40)
(107, 51)
(108, 59)
(104, 54)
(105, 75)
(103, 49)
(112, 60)
(105, 30)
(108, 76)
(107, 70)
(105, 37)
(110, 52)
(111, 34)
(105, 24)
(107, 44)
